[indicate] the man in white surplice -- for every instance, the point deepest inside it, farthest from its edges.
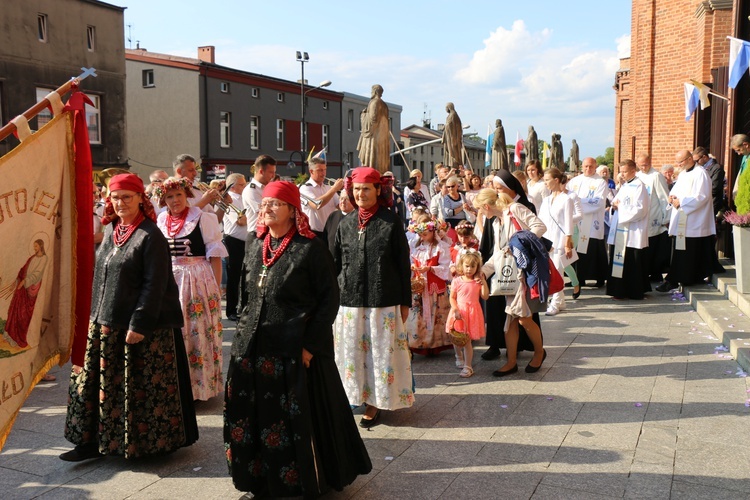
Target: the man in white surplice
(692, 227)
(659, 246)
(628, 237)
(592, 255)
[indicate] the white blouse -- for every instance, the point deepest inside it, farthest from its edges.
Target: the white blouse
(209, 229)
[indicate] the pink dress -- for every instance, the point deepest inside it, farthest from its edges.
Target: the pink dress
(467, 297)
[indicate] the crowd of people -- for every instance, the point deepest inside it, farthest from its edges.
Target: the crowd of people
(336, 284)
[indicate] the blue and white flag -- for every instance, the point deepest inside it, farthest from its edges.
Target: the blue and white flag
(739, 60)
(692, 99)
(488, 148)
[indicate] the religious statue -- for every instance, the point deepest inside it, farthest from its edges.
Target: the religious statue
(453, 138)
(374, 140)
(556, 153)
(575, 161)
(499, 149)
(531, 146)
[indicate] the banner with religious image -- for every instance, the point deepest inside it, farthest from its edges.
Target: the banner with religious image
(37, 265)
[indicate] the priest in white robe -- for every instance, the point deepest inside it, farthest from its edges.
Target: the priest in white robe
(628, 237)
(692, 227)
(592, 191)
(659, 245)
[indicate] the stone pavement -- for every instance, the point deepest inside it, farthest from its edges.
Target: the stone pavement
(634, 400)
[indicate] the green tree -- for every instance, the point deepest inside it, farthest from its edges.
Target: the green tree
(608, 158)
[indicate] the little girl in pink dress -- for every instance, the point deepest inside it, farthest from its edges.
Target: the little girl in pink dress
(466, 289)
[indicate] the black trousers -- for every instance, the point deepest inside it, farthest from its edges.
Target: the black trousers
(236, 249)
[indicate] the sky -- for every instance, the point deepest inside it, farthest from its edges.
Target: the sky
(544, 63)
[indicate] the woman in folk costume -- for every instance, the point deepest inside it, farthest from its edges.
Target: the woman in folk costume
(430, 263)
(628, 237)
(504, 183)
(288, 428)
(372, 262)
(132, 397)
(508, 218)
(196, 248)
(557, 213)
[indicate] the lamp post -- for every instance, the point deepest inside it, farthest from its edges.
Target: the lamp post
(303, 57)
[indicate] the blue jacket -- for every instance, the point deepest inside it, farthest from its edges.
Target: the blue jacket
(532, 257)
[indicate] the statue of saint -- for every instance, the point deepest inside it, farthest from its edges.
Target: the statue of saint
(556, 153)
(575, 160)
(531, 146)
(499, 149)
(374, 140)
(453, 138)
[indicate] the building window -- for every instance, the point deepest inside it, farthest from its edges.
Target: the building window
(44, 116)
(432, 150)
(41, 23)
(254, 132)
(280, 135)
(280, 97)
(421, 150)
(225, 128)
(325, 104)
(255, 92)
(91, 38)
(349, 160)
(350, 120)
(421, 165)
(414, 164)
(326, 131)
(93, 120)
(148, 78)
(224, 87)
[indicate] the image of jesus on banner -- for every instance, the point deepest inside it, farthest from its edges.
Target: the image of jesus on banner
(24, 290)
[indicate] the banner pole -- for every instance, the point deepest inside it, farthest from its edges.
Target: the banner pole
(30, 113)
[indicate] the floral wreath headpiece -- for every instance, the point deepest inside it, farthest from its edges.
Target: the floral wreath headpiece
(184, 183)
(428, 226)
(465, 224)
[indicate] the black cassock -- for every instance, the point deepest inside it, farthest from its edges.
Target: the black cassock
(289, 430)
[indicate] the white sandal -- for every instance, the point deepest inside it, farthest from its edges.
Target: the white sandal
(467, 372)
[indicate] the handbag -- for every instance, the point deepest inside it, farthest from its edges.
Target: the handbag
(556, 282)
(505, 280)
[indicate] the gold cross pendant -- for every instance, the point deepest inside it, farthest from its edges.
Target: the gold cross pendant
(262, 276)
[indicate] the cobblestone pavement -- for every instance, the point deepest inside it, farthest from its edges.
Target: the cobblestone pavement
(634, 400)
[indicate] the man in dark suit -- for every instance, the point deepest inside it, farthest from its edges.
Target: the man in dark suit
(716, 172)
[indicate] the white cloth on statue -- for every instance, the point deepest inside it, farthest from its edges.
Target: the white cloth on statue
(592, 192)
(693, 190)
(318, 217)
(230, 219)
(658, 211)
(251, 198)
(633, 211)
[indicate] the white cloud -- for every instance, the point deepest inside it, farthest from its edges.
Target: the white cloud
(502, 52)
(623, 46)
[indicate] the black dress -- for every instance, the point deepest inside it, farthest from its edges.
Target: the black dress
(288, 430)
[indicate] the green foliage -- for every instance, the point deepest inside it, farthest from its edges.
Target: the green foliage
(608, 158)
(301, 179)
(742, 201)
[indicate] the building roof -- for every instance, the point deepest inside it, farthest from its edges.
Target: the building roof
(105, 5)
(419, 132)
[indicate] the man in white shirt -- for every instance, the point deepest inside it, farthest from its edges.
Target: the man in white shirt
(692, 227)
(316, 189)
(592, 254)
(628, 236)
(235, 235)
(264, 171)
(184, 167)
(659, 246)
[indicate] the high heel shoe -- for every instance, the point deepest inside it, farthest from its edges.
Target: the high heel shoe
(534, 369)
(578, 293)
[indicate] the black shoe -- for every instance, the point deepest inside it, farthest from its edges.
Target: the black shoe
(599, 284)
(232, 317)
(665, 286)
(578, 293)
(491, 353)
(366, 423)
(534, 369)
(500, 373)
(82, 452)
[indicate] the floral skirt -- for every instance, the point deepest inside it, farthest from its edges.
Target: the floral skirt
(133, 399)
(426, 323)
(288, 430)
(372, 355)
(201, 310)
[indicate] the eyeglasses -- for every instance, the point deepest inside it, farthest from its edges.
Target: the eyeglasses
(126, 198)
(273, 204)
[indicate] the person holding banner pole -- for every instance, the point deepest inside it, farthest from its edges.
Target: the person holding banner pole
(132, 395)
(628, 237)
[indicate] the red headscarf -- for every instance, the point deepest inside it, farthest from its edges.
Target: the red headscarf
(289, 193)
(366, 175)
(128, 182)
